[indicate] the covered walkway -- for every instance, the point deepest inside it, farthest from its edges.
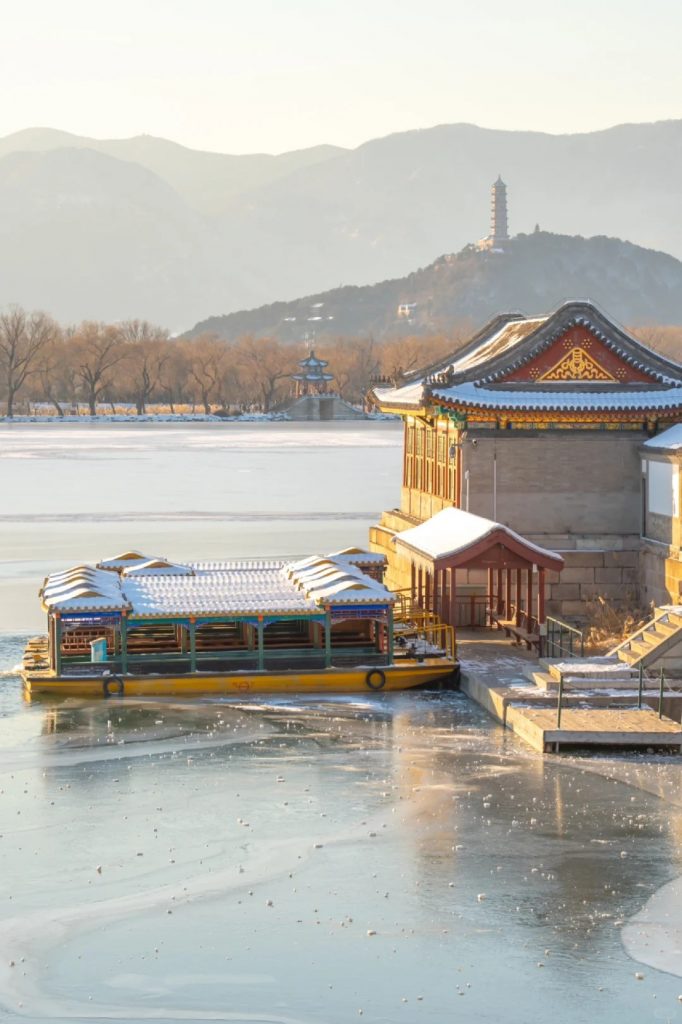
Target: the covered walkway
(452, 540)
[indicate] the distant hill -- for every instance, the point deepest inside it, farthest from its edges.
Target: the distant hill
(534, 274)
(206, 181)
(145, 227)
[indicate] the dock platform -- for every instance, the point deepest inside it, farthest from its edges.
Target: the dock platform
(594, 727)
(503, 681)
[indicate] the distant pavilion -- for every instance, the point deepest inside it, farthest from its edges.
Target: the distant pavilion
(312, 378)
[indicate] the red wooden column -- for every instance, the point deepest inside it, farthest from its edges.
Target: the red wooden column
(413, 582)
(420, 587)
(529, 598)
(499, 591)
(508, 593)
(541, 596)
(491, 596)
(453, 597)
(428, 593)
(518, 597)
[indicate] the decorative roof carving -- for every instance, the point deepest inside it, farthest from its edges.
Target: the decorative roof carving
(577, 365)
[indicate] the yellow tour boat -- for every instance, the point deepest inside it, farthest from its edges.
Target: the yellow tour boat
(140, 626)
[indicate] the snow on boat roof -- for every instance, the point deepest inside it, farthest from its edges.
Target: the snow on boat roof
(157, 588)
(453, 530)
(669, 440)
(83, 588)
(159, 567)
(126, 560)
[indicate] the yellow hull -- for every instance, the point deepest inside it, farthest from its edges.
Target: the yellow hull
(333, 680)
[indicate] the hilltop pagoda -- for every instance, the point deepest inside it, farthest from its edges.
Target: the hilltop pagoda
(537, 423)
(499, 229)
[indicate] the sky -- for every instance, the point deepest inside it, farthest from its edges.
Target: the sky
(275, 75)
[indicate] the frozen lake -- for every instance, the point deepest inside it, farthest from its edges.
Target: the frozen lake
(398, 858)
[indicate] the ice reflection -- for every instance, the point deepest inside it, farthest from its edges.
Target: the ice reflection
(302, 860)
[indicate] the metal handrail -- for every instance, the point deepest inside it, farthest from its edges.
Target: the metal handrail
(557, 626)
(438, 634)
(651, 624)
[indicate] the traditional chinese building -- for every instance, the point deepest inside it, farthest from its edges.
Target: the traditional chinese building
(313, 398)
(537, 424)
(312, 379)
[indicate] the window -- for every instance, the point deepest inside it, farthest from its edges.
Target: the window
(660, 488)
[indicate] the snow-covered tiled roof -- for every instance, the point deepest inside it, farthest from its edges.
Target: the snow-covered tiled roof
(669, 440)
(474, 376)
(453, 530)
(230, 591)
(470, 393)
(83, 588)
(157, 588)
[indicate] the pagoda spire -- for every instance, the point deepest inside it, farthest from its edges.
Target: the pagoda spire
(499, 231)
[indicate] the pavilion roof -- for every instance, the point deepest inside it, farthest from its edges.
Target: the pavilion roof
(459, 536)
(477, 376)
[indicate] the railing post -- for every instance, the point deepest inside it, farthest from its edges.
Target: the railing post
(559, 700)
(328, 639)
(389, 638)
(641, 685)
(260, 633)
(192, 645)
(124, 644)
(660, 695)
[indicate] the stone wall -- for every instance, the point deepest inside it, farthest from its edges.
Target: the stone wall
(660, 573)
(555, 481)
(589, 574)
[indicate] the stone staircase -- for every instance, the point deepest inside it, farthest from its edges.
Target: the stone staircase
(654, 640)
(604, 674)
(651, 645)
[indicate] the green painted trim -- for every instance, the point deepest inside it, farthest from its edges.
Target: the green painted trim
(389, 644)
(58, 646)
(261, 647)
(124, 645)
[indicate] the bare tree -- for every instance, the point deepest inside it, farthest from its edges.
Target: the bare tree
(264, 364)
(173, 375)
(23, 336)
(54, 380)
(207, 364)
(147, 355)
(98, 349)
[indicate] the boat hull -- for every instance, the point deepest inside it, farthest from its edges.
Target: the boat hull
(321, 681)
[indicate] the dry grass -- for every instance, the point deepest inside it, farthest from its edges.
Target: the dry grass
(605, 626)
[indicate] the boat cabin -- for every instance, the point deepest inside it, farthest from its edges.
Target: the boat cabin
(140, 614)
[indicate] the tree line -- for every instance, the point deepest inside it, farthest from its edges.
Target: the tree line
(137, 363)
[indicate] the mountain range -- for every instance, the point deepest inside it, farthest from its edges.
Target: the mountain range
(144, 227)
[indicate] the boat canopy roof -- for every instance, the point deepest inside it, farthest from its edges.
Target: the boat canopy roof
(157, 588)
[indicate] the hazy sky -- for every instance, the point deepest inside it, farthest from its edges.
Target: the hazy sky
(270, 75)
